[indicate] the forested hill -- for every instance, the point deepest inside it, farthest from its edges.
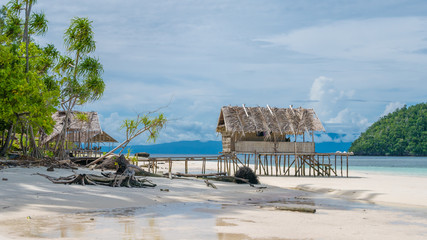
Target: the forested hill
(400, 133)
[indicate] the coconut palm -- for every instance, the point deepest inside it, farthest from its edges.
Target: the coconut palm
(80, 74)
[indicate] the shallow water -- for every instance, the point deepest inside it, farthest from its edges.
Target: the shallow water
(412, 166)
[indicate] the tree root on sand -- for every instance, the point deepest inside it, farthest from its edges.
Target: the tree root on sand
(113, 180)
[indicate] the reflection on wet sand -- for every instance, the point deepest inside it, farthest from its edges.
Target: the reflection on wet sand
(174, 221)
(177, 221)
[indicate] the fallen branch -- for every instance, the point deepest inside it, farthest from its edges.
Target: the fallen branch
(200, 175)
(296, 209)
(233, 179)
(209, 184)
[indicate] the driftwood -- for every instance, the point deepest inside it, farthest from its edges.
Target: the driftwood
(292, 209)
(237, 179)
(209, 184)
(296, 209)
(221, 176)
(123, 177)
(199, 175)
(92, 179)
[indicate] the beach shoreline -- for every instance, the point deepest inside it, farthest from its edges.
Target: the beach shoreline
(365, 205)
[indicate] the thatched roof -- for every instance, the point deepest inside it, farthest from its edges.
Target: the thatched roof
(270, 120)
(83, 127)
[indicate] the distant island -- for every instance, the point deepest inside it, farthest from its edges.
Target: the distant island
(400, 133)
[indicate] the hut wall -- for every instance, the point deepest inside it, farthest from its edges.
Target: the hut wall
(271, 147)
(227, 143)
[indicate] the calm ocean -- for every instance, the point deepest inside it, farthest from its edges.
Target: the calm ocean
(393, 165)
(412, 166)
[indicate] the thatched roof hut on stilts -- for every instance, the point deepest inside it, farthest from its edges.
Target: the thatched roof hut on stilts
(84, 135)
(264, 135)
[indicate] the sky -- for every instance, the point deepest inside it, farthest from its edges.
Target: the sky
(352, 61)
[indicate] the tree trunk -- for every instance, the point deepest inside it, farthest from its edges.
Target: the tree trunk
(5, 147)
(21, 142)
(35, 152)
(60, 144)
(26, 36)
(2, 138)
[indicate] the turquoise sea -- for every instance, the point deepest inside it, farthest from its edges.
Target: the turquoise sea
(390, 165)
(412, 166)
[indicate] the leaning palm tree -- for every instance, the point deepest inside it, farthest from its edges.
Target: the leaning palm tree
(79, 73)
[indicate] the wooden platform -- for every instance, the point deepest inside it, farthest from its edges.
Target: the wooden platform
(300, 164)
(270, 164)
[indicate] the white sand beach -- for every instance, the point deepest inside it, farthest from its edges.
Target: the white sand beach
(363, 206)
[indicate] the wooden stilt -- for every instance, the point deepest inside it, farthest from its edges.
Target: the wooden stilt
(347, 164)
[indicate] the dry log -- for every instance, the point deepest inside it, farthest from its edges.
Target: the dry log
(200, 175)
(295, 209)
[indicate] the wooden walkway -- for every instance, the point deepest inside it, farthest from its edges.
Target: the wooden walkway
(269, 164)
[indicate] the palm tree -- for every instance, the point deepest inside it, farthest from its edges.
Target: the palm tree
(80, 75)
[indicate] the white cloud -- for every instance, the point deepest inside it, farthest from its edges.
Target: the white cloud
(333, 106)
(323, 137)
(326, 98)
(347, 116)
(364, 39)
(391, 107)
(111, 125)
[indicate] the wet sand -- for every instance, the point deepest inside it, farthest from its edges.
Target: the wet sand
(364, 206)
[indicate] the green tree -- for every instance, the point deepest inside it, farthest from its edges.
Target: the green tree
(27, 93)
(400, 133)
(135, 127)
(80, 74)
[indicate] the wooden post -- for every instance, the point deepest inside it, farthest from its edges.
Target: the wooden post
(335, 163)
(347, 165)
(266, 165)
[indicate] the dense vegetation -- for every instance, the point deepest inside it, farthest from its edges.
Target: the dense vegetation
(401, 133)
(36, 80)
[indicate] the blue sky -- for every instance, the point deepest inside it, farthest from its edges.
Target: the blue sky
(352, 61)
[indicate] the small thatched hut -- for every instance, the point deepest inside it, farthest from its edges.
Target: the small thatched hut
(84, 130)
(267, 129)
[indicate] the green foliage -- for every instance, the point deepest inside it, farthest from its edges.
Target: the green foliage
(79, 75)
(143, 123)
(133, 159)
(22, 92)
(28, 92)
(401, 133)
